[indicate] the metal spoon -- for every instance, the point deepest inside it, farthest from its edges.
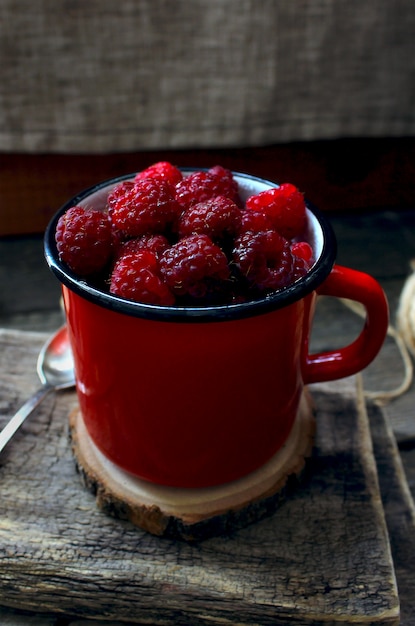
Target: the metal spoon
(56, 371)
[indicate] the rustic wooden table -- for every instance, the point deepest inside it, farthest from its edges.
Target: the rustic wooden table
(346, 175)
(380, 243)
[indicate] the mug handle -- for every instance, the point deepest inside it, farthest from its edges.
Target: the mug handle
(344, 282)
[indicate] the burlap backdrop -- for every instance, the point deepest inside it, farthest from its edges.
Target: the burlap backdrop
(103, 76)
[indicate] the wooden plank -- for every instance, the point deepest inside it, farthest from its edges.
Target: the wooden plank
(337, 175)
(399, 507)
(322, 558)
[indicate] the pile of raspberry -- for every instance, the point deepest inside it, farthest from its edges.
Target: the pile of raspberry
(174, 240)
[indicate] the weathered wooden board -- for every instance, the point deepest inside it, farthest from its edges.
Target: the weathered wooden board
(398, 506)
(322, 558)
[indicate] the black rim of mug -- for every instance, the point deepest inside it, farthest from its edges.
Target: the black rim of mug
(227, 312)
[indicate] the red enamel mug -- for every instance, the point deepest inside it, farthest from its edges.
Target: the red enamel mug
(199, 396)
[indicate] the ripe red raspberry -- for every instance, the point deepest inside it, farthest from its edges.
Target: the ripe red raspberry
(201, 186)
(228, 182)
(136, 277)
(119, 191)
(162, 169)
(84, 240)
(302, 250)
(156, 244)
(194, 266)
(300, 268)
(255, 221)
(285, 206)
(217, 218)
(302, 257)
(147, 207)
(118, 241)
(264, 258)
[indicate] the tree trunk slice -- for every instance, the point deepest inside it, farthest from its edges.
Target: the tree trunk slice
(194, 514)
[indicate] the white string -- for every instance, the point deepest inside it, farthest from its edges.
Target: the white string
(404, 337)
(406, 311)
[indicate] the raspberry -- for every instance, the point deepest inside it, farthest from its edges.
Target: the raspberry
(303, 257)
(194, 266)
(162, 169)
(201, 186)
(284, 205)
(264, 258)
(302, 250)
(119, 191)
(136, 277)
(156, 244)
(84, 240)
(216, 218)
(255, 221)
(147, 207)
(118, 241)
(300, 268)
(228, 181)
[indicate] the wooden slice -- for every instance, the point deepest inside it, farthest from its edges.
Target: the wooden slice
(194, 514)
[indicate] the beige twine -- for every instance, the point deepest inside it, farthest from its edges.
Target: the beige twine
(406, 311)
(403, 335)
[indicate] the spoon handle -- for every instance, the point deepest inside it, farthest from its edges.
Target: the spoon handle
(17, 420)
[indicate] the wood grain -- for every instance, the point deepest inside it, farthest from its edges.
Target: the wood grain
(337, 175)
(322, 558)
(398, 506)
